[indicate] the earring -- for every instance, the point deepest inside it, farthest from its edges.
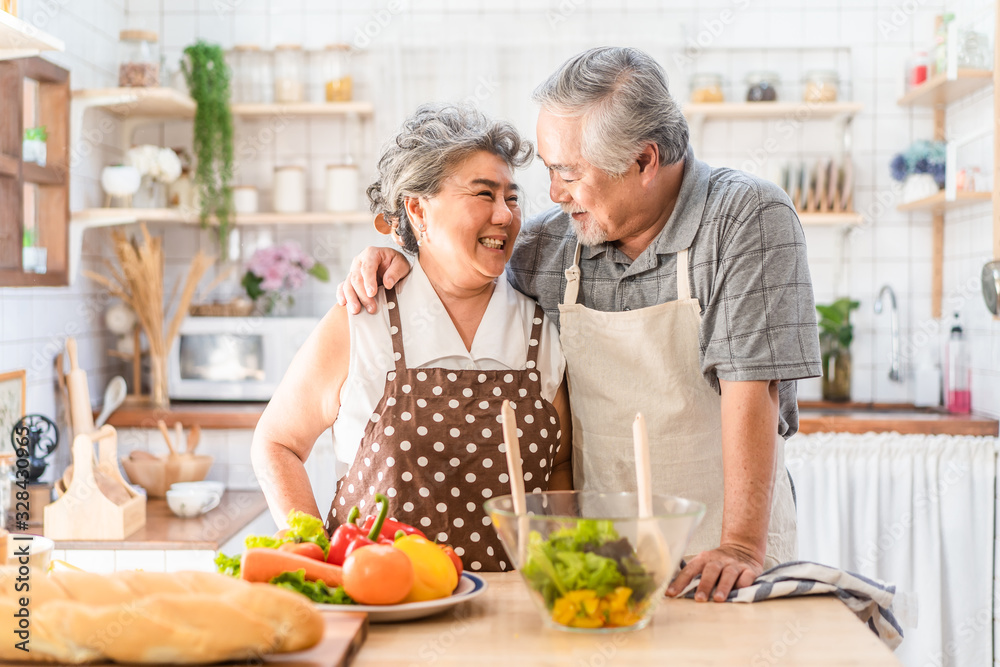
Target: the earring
(421, 234)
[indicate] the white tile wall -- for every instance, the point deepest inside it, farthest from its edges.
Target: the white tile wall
(495, 54)
(34, 322)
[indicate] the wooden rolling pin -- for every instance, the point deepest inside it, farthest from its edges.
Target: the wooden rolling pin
(79, 394)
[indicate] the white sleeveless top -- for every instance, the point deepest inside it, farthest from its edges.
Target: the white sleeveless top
(430, 340)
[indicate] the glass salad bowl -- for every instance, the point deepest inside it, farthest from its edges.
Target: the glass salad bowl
(590, 564)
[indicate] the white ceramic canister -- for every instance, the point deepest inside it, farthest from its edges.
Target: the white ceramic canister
(245, 199)
(341, 188)
(289, 189)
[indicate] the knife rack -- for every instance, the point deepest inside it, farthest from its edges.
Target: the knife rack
(84, 511)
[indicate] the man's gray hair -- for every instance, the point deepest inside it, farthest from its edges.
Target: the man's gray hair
(622, 95)
(430, 144)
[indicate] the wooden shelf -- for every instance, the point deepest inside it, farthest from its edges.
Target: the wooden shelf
(48, 175)
(830, 219)
(48, 107)
(764, 110)
(9, 165)
(939, 203)
(942, 91)
(304, 109)
(20, 39)
(138, 102)
(103, 217)
(170, 103)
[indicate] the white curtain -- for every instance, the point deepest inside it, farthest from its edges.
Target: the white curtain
(913, 510)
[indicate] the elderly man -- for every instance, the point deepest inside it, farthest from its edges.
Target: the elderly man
(682, 292)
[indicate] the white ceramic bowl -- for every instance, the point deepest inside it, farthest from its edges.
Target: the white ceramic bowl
(188, 503)
(39, 550)
(205, 485)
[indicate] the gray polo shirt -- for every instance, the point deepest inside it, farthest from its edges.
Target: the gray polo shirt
(748, 270)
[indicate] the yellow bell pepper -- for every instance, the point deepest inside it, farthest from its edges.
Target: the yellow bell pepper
(583, 609)
(434, 575)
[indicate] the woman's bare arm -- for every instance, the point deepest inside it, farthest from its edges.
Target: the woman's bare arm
(562, 466)
(305, 404)
(374, 264)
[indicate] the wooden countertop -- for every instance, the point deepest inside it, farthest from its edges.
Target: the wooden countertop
(503, 628)
(814, 417)
(165, 530)
(824, 417)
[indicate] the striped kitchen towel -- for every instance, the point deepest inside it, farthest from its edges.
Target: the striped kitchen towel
(869, 599)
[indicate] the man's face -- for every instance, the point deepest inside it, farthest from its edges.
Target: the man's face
(599, 204)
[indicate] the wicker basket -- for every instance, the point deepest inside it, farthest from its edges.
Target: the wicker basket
(235, 308)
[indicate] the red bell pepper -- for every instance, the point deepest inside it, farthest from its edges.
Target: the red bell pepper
(391, 526)
(342, 538)
(374, 531)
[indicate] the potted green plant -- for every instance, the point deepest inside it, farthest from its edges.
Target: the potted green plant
(207, 78)
(835, 336)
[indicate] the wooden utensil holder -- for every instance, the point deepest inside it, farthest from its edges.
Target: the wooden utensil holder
(83, 512)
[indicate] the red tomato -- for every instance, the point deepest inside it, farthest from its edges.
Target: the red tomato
(456, 561)
(307, 549)
(378, 574)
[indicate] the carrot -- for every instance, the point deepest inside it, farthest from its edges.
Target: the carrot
(263, 564)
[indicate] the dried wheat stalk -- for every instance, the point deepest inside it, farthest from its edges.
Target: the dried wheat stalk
(139, 283)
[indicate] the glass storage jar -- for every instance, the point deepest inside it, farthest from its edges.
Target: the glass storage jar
(139, 59)
(289, 79)
(821, 85)
(762, 86)
(335, 72)
(706, 87)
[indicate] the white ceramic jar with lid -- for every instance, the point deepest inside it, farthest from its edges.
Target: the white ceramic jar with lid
(139, 59)
(289, 189)
(245, 199)
(342, 183)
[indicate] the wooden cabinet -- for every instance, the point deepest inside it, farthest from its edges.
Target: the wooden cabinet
(52, 180)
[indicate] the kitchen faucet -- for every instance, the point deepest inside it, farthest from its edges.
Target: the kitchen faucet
(894, 372)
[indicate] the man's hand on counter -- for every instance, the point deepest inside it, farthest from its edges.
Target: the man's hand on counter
(725, 568)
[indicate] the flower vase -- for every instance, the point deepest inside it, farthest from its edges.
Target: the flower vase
(158, 389)
(275, 304)
(837, 375)
(152, 194)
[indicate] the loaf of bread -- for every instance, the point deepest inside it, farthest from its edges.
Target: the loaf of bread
(151, 617)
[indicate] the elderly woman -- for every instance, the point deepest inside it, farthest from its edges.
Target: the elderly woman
(414, 391)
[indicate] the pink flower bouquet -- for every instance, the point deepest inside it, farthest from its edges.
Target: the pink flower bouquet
(276, 271)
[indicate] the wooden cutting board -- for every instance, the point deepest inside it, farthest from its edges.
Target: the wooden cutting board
(343, 635)
(342, 639)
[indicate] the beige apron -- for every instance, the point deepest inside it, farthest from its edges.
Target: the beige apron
(647, 360)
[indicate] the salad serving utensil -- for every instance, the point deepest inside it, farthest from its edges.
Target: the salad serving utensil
(650, 545)
(513, 447)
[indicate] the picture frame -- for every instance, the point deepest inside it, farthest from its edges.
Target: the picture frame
(13, 391)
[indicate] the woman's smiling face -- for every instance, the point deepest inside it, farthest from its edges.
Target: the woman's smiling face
(471, 224)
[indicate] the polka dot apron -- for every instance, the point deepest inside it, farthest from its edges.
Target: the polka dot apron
(434, 446)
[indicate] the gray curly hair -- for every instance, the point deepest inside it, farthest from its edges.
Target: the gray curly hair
(430, 144)
(622, 95)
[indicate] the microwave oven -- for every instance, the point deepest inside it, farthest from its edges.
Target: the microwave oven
(233, 358)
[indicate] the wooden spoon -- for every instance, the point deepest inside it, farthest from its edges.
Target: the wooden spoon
(516, 477)
(651, 547)
(162, 425)
(194, 437)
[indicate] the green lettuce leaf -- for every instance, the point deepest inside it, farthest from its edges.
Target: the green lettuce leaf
(317, 591)
(264, 541)
(304, 527)
(229, 565)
